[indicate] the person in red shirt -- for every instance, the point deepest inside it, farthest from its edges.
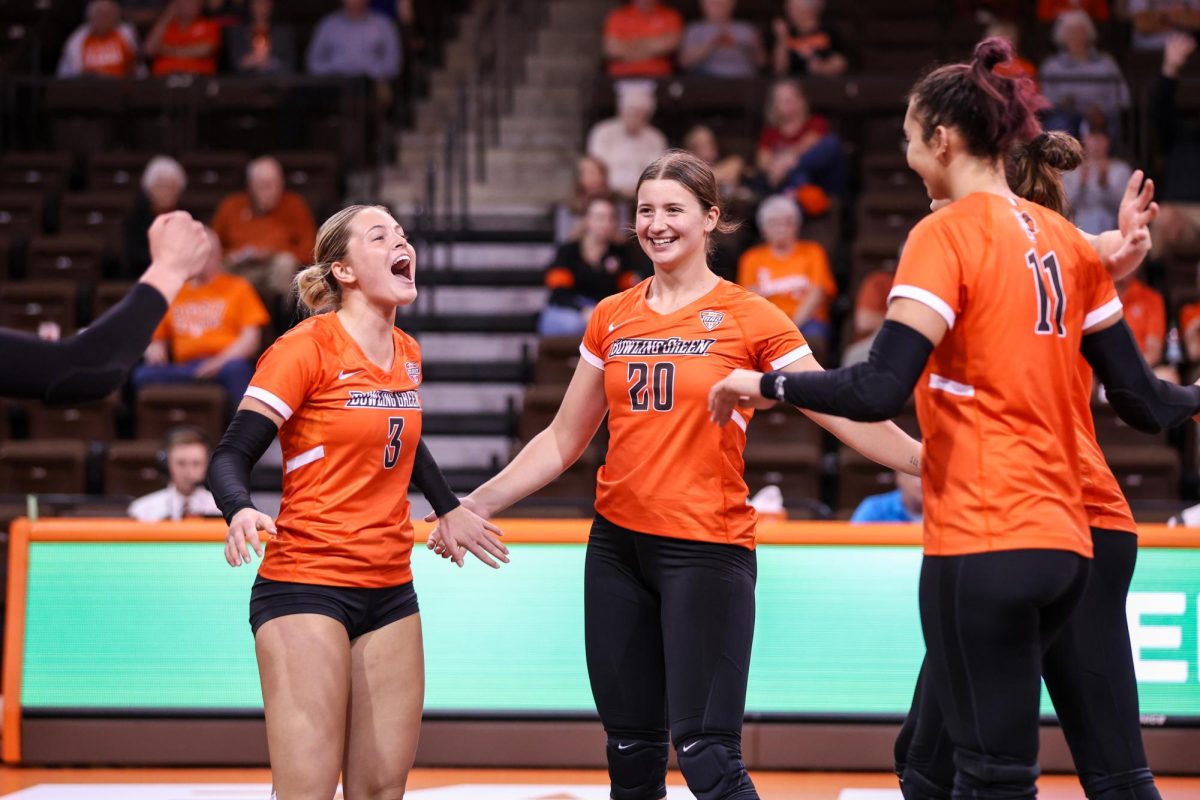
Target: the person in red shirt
(993, 300)
(184, 41)
(670, 567)
(1049, 10)
(103, 46)
(798, 148)
(641, 38)
(333, 610)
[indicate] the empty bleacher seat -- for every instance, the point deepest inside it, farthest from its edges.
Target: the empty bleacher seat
(216, 172)
(860, 477)
(53, 466)
(162, 407)
(120, 170)
(132, 468)
(782, 424)
(43, 171)
(21, 211)
(83, 421)
(1148, 472)
(69, 256)
(27, 304)
(99, 213)
(794, 468)
(107, 295)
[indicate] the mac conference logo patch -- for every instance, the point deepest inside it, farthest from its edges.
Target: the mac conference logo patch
(711, 319)
(413, 369)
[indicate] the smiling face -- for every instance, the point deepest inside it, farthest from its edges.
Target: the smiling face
(671, 225)
(923, 156)
(380, 261)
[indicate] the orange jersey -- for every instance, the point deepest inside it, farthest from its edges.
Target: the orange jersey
(349, 436)
(204, 320)
(1146, 314)
(628, 22)
(787, 281)
(193, 49)
(670, 471)
(110, 55)
(998, 401)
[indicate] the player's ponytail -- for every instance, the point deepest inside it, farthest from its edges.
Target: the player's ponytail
(1034, 170)
(316, 287)
(992, 106)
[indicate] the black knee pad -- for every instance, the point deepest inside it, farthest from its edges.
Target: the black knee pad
(915, 786)
(713, 768)
(989, 778)
(637, 768)
(1136, 784)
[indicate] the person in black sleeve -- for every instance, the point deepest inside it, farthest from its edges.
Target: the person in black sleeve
(95, 362)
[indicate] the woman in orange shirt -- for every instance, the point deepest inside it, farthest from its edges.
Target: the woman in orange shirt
(1097, 706)
(333, 610)
(994, 298)
(670, 567)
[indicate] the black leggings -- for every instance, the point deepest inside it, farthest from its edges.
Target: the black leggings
(1090, 676)
(987, 619)
(668, 625)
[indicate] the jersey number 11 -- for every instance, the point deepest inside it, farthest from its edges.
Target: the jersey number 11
(1048, 264)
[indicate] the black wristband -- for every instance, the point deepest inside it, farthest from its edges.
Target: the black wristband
(428, 477)
(246, 439)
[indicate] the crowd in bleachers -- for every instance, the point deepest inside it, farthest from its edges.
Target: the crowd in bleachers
(818, 176)
(796, 104)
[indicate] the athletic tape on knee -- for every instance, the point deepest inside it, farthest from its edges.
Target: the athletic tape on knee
(713, 769)
(637, 768)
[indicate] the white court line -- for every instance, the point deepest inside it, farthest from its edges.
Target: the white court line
(262, 791)
(870, 794)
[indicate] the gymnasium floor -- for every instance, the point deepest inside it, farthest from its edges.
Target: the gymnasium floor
(447, 784)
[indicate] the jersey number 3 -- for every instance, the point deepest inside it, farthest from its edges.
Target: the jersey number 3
(652, 386)
(1050, 320)
(391, 453)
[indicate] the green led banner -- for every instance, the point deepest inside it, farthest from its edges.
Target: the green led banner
(160, 625)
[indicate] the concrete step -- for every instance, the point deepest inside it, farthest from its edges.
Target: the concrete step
(456, 398)
(500, 255)
(458, 452)
(483, 300)
(459, 347)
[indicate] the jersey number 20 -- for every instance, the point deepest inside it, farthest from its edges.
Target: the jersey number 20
(391, 453)
(1048, 264)
(652, 385)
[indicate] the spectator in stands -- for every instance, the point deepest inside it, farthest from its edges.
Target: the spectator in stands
(212, 331)
(641, 38)
(628, 142)
(1079, 80)
(1096, 187)
(1007, 29)
(791, 273)
(185, 458)
(1050, 10)
(355, 42)
(1178, 220)
(262, 46)
(702, 142)
(591, 182)
(265, 231)
(1155, 20)
(101, 46)
(720, 46)
(902, 504)
(798, 149)
(804, 44)
(586, 271)
(163, 181)
(870, 309)
(1146, 314)
(184, 41)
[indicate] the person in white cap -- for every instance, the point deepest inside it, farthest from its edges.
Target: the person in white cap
(628, 142)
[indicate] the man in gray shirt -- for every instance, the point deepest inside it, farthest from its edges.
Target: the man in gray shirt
(720, 46)
(355, 41)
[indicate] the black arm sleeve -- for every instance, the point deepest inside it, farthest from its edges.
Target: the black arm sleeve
(874, 390)
(244, 442)
(427, 477)
(1140, 398)
(89, 365)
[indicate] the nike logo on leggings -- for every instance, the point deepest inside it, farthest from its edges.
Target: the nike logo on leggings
(624, 746)
(688, 746)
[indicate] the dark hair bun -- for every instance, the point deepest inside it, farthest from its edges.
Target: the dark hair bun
(992, 51)
(1060, 150)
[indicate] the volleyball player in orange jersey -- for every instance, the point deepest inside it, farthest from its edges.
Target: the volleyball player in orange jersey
(333, 610)
(1088, 669)
(670, 566)
(1002, 294)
